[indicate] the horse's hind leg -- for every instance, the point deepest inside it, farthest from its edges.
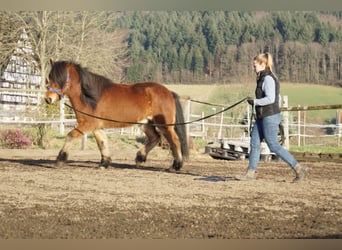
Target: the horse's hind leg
(102, 143)
(63, 153)
(173, 139)
(153, 138)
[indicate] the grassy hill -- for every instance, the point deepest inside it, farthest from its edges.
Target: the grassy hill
(312, 95)
(298, 94)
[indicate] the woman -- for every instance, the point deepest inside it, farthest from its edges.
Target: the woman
(267, 119)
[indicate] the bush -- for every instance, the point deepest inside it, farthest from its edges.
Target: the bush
(15, 139)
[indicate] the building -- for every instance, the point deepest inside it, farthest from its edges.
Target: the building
(20, 81)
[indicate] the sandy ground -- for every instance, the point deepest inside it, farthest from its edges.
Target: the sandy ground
(202, 201)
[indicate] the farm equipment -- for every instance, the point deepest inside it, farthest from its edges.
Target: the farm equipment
(238, 150)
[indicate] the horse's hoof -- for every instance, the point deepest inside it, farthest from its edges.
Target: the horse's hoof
(177, 165)
(105, 162)
(139, 159)
(62, 156)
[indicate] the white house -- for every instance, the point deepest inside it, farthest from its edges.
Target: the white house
(21, 75)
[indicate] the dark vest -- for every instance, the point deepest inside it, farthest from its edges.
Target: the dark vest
(273, 108)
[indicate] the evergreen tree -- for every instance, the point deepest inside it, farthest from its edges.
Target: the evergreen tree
(221, 43)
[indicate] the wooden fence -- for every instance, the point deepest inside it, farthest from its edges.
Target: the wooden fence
(294, 120)
(229, 125)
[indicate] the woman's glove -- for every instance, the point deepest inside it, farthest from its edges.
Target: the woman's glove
(250, 100)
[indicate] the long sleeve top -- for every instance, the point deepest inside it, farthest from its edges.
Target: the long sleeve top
(268, 87)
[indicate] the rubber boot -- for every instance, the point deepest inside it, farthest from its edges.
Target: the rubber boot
(299, 172)
(248, 176)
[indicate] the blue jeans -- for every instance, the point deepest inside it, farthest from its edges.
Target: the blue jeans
(267, 128)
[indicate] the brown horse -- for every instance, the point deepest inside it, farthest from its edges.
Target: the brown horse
(99, 103)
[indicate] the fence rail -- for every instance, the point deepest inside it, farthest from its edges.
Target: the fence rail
(227, 126)
(298, 133)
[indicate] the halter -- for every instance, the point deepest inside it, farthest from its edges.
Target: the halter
(57, 91)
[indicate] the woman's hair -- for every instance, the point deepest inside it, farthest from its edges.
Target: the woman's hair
(265, 58)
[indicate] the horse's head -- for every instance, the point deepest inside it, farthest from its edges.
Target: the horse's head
(70, 79)
(58, 81)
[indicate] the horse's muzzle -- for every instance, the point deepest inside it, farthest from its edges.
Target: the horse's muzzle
(48, 100)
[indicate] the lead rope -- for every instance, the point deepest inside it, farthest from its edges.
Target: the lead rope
(156, 124)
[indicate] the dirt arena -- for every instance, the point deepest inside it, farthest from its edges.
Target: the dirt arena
(202, 201)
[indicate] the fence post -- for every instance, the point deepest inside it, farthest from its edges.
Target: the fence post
(202, 126)
(286, 123)
(219, 136)
(339, 126)
(304, 128)
(298, 126)
(339, 134)
(187, 118)
(61, 116)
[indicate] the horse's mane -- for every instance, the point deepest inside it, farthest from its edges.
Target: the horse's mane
(92, 85)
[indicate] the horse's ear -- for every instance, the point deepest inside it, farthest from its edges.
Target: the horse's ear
(52, 61)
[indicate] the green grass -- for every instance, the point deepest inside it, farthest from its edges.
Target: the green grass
(313, 95)
(194, 91)
(298, 94)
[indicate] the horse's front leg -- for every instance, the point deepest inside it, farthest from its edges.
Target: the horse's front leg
(64, 152)
(102, 143)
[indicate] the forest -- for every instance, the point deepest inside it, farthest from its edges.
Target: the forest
(186, 47)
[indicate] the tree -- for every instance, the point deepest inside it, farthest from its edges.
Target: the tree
(197, 63)
(10, 31)
(73, 36)
(321, 36)
(90, 44)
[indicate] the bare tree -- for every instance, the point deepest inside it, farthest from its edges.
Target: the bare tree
(10, 31)
(93, 46)
(67, 35)
(38, 26)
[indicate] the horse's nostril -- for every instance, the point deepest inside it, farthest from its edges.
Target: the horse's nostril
(48, 100)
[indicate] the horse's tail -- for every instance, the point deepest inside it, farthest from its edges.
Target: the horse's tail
(181, 128)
